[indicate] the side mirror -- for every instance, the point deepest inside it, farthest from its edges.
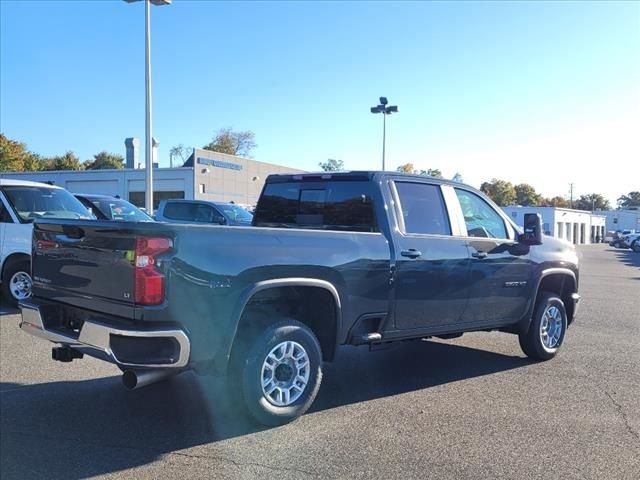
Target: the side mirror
(532, 229)
(220, 220)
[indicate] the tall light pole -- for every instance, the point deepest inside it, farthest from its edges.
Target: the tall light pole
(571, 195)
(148, 142)
(384, 110)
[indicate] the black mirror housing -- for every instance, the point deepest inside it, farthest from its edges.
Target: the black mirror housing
(532, 229)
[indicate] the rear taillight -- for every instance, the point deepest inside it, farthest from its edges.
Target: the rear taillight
(45, 244)
(149, 281)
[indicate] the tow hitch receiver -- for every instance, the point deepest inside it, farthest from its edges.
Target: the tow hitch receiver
(65, 354)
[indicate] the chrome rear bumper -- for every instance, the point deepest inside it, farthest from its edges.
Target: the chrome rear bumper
(95, 339)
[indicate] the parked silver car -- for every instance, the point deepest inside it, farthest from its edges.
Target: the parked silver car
(202, 211)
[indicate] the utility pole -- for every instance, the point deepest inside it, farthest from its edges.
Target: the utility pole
(571, 195)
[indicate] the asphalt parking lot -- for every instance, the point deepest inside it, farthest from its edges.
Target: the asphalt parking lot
(474, 407)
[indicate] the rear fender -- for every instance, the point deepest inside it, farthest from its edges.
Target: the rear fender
(222, 357)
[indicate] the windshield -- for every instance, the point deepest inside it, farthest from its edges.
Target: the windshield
(236, 213)
(117, 209)
(31, 202)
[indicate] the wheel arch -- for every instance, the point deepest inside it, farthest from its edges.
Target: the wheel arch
(561, 281)
(275, 289)
(12, 258)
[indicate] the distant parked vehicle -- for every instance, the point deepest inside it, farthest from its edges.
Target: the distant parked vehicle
(628, 241)
(618, 238)
(202, 211)
(107, 207)
(609, 236)
(21, 202)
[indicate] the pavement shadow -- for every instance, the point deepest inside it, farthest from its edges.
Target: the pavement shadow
(628, 257)
(415, 365)
(6, 310)
(79, 429)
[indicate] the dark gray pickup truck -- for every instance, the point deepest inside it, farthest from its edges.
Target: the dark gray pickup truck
(331, 259)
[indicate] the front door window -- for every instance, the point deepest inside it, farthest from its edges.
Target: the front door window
(480, 218)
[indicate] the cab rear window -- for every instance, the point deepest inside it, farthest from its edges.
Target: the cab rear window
(343, 205)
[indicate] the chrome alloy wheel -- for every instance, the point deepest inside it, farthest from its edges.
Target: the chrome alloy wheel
(551, 327)
(285, 373)
(20, 285)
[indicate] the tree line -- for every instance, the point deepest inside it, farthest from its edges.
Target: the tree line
(16, 157)
(505, 193)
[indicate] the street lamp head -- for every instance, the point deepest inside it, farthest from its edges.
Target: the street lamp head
(392, 109)
(377, 109)
(383, 100)
(154, 2)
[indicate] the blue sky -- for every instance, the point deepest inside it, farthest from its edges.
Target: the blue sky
(547, 92)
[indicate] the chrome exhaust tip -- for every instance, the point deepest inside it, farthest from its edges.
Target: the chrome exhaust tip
(134, 379)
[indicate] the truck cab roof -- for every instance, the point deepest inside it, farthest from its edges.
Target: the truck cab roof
(355, 175)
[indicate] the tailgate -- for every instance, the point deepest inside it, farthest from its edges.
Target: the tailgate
(89, 264)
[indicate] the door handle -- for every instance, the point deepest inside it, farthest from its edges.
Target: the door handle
(71, 233)
(479, 254)
(411, 253)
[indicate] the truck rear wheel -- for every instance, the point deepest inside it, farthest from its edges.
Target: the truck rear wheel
(277, 372)
(547, 330)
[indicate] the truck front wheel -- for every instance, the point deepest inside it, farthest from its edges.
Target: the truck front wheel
(547, 329)
(277, 371)
(16, 282)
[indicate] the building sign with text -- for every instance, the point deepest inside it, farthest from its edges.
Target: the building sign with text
(219, 163)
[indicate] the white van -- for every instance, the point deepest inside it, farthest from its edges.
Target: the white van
(20, 203)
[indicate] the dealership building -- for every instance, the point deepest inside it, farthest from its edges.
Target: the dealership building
(624, 219)
(575, 226)
(206, 175)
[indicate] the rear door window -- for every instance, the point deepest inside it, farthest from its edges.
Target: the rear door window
(423, 209)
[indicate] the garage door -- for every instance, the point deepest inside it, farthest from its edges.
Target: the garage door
(101, 187)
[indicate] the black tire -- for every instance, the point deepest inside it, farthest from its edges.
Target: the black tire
(635, 246)
(531, 342)
(12, 268)
(246, 370)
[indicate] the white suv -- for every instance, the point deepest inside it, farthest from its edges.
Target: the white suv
(20, 203)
